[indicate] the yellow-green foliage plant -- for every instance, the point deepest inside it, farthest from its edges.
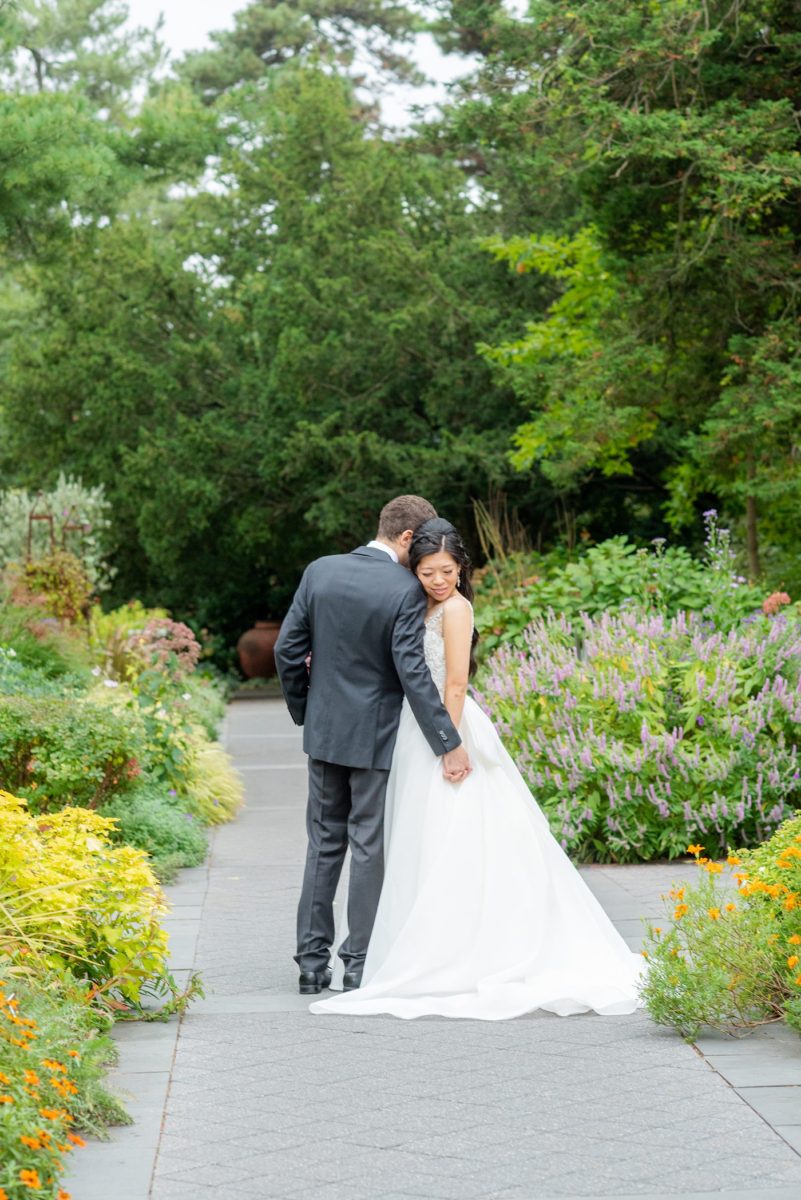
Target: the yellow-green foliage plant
(73, 903)
(729, 954)
(210, 787)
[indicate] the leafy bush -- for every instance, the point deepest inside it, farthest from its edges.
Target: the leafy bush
(70, 504)
(53, 1054)
(41, 644)
(60, 581)
(67, 749)
(731, 958)
(73, 903)
(609, 577)
(148, 821)
(636, 732)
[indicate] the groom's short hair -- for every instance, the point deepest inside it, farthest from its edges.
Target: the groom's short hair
(402, 513)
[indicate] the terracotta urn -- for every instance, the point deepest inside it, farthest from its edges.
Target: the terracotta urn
(256, 649)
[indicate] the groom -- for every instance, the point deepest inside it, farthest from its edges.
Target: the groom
(360, 616)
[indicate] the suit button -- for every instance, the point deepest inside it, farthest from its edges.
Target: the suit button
(443, 735)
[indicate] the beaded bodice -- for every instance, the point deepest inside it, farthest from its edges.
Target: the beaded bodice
(434, 647)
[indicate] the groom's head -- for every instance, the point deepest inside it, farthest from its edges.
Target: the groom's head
(398, 521)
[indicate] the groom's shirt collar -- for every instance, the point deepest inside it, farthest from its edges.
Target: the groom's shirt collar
(374, 545)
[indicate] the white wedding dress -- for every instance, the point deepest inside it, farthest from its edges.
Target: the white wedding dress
(481, 914)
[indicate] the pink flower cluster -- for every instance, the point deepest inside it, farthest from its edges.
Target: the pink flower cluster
(774, 602)
(166, 643)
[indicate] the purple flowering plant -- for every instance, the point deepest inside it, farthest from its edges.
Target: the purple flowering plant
(638, 732)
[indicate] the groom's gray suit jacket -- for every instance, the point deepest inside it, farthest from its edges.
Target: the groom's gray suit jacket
(361, 617)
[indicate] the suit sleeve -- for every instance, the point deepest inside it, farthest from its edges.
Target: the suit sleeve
(291, 651)
(420, 689)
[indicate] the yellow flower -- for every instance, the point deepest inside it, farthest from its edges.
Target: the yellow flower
(644, 953)
(793, 960)
(696, 850)
(680, 911)
(733, 860)
(731, 907)
(798, 980)
(713, 868)
(714, 913)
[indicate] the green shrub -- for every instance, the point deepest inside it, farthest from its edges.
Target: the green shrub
(41, 644)
(67, 750)
(728, 958)
(62, 585)
(150, 822)
(609, 577)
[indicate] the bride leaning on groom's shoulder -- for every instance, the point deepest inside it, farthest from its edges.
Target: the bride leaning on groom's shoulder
(460, 901)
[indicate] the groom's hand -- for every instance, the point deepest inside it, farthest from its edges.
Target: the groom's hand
(456, 765)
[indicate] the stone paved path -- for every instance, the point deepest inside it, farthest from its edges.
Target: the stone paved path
(254, 1098)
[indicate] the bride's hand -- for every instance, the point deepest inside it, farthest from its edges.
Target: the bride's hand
(456, 765)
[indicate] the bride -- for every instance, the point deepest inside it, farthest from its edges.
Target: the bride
(481, 914)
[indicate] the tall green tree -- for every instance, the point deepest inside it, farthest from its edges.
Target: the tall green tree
(84, 46)
(672, 129)
(354, 36)
(275, 357)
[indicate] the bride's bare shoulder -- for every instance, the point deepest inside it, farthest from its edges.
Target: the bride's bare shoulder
(457, 610)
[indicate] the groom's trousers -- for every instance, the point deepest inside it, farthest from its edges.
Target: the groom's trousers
(345, 808)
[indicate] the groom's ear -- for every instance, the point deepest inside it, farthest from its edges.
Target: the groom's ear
(406, 538)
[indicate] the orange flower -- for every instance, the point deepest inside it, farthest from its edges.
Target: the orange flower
(791, 902)
(62, 1195)
(680, 911)
(733, 860)
(51, 1114)
(73, 1054)
(31, 1143)
(696, 850)
(4, 1078)
(3, 1194)
(714, 913)
(794, 939)
(6, 1099)
(713, 868)
(793, 960)
(64, 1087)
(32, 1078)
(53, 1065)
(76, 1139)
(644, 953)
(30, 1178)
(731, 907)
(798, 980)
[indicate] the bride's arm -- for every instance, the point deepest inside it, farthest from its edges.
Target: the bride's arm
(457, 630)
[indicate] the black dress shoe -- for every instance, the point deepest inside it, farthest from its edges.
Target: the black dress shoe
(351, 981)
(313, 982)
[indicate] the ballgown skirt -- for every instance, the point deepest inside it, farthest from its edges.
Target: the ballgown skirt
(482, 914)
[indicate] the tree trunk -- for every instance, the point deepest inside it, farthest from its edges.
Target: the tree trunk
(751, 531)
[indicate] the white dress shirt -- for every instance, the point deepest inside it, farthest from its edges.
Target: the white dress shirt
(374, 545)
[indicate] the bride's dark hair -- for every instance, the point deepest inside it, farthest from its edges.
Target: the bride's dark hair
(437, 535)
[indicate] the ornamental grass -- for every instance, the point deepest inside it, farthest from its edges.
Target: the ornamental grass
(728, 956)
